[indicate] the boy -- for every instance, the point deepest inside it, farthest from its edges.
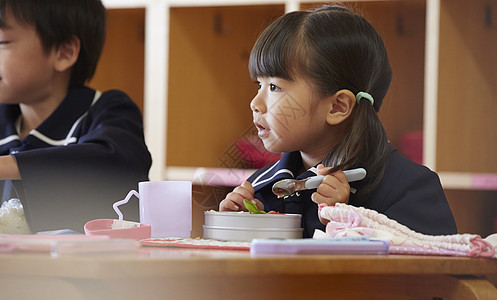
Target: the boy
(66, 151)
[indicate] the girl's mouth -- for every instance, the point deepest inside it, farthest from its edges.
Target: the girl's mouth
(261, 130)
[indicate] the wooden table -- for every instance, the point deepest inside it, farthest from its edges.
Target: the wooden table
(170, 273)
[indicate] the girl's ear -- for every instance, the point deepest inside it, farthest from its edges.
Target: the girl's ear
(67, 54)
(343, 103)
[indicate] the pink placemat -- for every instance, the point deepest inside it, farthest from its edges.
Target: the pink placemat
(196, 243)
(424, 251)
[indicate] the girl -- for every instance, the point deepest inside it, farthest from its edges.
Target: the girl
(322, 76)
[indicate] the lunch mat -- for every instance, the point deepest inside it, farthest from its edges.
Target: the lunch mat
(245, 246)
(196, 243)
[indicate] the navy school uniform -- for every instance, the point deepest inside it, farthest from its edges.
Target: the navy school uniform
(84, 157)
(409, 193)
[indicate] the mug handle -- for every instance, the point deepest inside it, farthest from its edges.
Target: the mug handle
(124, 201)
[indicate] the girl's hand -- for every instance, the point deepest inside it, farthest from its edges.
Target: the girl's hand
(333, 189)
(234, 200)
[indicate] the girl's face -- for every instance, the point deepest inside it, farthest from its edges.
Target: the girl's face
(25, 69)
(289, 116)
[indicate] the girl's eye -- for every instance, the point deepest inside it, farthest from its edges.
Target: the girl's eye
(274, 88)
(258, 85)
(4, 42)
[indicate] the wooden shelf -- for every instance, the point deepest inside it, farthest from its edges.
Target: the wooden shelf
(467, 110)
(116, 70)
(454, 68)
(210, 91)
(468, 181)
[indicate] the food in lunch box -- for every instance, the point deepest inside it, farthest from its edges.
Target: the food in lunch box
(252, 208)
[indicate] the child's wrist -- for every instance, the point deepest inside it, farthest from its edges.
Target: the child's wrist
(9, 168)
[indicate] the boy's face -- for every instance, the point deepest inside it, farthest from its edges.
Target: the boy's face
(26, 71)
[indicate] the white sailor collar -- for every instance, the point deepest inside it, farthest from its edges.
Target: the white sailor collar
(289, 164)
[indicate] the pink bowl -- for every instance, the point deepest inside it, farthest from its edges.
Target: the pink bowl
(104, 227)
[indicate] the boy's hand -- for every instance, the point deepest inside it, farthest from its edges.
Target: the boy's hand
(234, 200)
(334, 188)
(9, 168)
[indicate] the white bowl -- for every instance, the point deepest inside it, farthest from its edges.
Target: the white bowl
(247, 234)
(247, 220)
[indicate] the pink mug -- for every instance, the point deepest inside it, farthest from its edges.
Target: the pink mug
(164, 205)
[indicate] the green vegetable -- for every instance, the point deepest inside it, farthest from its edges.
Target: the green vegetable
(252, 207)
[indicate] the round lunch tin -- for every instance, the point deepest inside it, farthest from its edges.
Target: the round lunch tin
(248, 220)
(244, 226)
(247, 234)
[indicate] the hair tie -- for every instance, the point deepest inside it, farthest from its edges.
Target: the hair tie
(365, 95)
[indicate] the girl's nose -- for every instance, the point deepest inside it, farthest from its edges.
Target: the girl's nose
(257, 105)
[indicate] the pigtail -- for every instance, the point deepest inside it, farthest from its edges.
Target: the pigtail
(365, 146)
(354, 57)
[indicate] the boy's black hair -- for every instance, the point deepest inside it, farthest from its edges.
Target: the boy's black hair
(57, 21)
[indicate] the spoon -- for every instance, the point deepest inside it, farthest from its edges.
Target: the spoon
(287, 187)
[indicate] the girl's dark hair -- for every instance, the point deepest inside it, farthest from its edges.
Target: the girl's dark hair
(336, 49)
(57, 21)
